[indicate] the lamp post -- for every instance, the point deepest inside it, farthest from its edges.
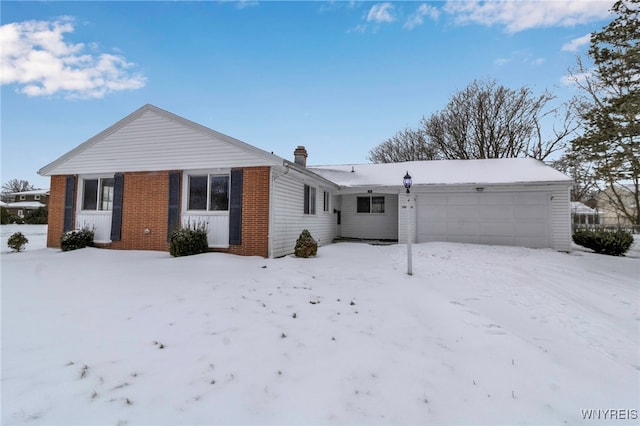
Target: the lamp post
(407, 184)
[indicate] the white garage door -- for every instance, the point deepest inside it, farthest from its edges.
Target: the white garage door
(508, 218)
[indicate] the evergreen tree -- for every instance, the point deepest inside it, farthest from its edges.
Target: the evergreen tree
(611, 109)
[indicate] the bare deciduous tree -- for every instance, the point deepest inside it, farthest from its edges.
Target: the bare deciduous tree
(406, 145)
(16, 185)
(487, 120)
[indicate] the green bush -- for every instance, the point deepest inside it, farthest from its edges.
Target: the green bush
(17, 241)
(14, 218)
(76, 239)
(188, 241)
(37, 216)
(613, 243)
(306, 246)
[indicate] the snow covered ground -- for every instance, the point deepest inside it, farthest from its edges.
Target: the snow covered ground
(478, 335)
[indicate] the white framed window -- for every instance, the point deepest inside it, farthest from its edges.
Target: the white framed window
(97, 194)
(23, 197)
(21, 213)
(370, 205)
(36, 197)
(207, 192)
(327, 199)
(309, 200)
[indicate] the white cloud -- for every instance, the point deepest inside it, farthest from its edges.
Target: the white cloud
(520, 57)
(576, 43)
(35, 56)
(517, 16)
(381, 13)
(418, 17)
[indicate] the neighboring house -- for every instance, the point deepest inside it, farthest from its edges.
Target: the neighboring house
(583, 215)
(610, 215)
(153, 171)
(20, 203)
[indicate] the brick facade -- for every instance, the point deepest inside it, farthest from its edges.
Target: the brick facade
(145, 209)
(56, 210)
(255, 213)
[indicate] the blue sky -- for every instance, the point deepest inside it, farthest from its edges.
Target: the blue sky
(338, 77)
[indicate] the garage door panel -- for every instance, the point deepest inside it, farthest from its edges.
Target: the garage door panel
(438, 200)
(473, 239)
(497, 229)
(461, 211)
(508, 218)
(496, 240)
(434, 212)
(530, 229)
(462, 199)
(530, 212)
(491, 212)
(463, 228)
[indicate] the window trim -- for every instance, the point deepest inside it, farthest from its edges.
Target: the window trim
(310, 200)
(186, 177)
(371, 197)
(36, 197)
(80, 195)
(326, 202)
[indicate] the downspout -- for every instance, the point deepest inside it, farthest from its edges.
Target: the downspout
(271, 206)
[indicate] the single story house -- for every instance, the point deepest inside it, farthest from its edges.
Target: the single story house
(153, 171)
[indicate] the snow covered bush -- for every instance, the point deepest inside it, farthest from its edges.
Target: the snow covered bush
(76, 239)
(17, 241)
(614, 243)
(306, 246)
(189, 240)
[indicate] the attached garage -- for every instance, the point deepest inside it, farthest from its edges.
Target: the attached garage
(500, 218)
(512, 201)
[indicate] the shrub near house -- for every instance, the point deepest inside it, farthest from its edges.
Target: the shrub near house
(614, 243)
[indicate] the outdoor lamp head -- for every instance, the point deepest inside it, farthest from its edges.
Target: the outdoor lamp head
(407, 181)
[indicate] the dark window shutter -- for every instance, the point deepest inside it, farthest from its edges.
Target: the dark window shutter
(69, 193)
(116, 213)
(235, 208)
(173, 221)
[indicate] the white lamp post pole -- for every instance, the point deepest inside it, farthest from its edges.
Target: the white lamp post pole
(407, 185)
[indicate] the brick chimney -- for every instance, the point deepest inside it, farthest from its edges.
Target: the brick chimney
(300, 156)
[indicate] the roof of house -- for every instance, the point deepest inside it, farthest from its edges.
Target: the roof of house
(25, 205)
(3, 204)
(83, 148)
(581, 208)
(440, 172)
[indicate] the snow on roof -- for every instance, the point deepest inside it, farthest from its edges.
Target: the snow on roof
(32, 192)
(3, 204)
(580, 208)
(489, 171)
(25, 205)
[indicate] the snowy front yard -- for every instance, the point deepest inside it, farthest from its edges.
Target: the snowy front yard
(478, 335)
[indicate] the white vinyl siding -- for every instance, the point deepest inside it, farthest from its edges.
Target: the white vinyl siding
(560, 219)
(154, 142)
(382, 226)
(288, 218)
